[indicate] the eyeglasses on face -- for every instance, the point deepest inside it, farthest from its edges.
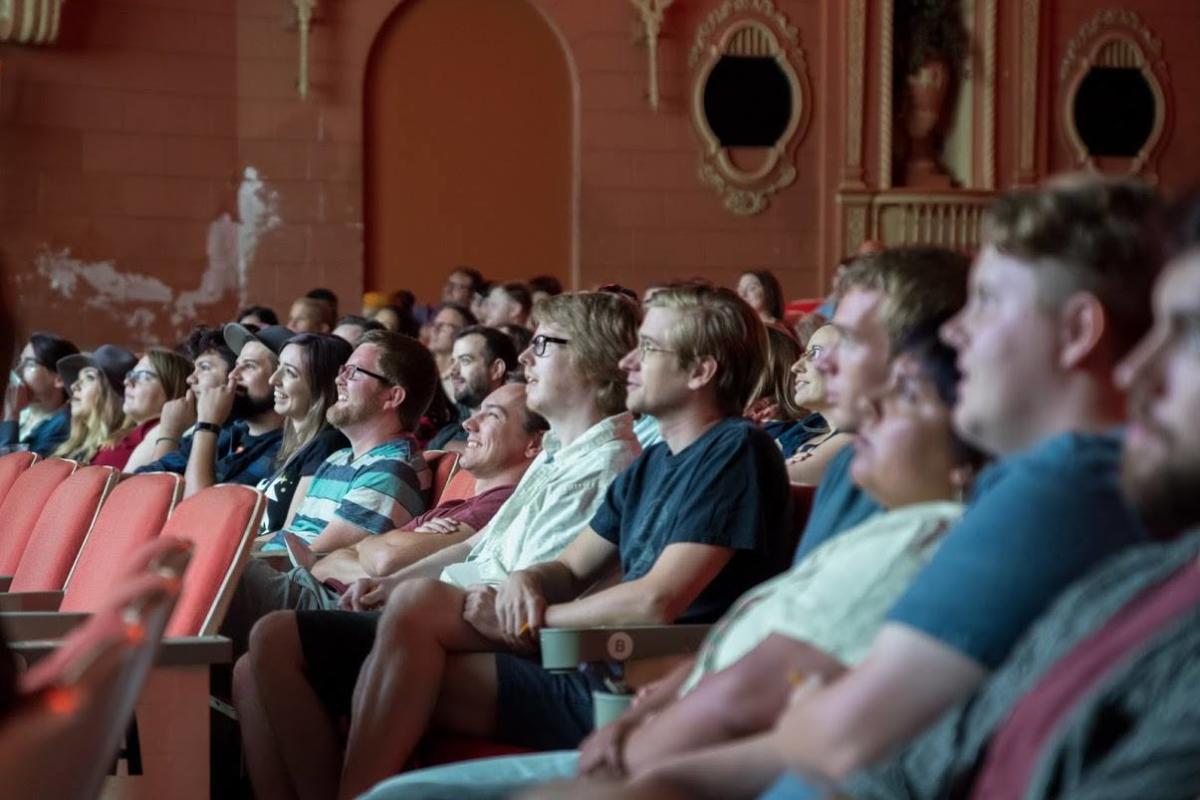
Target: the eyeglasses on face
(136, 376)
(645, 348)
(539, 342)
(351, 372)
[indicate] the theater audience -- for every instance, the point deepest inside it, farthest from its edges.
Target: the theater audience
(352, 327)
(573, 381)
(813, 442)
(508, 302)
(481, 360)
(325, 296)
(97, 394)
(237, 432)
(310, 315)
(462, 286)
(1058, 294)
(506, 437)
(381, 480)
(397, 319)
(37, 416)
(304, 390)
(1096, 699)
(760, 288)
(262, 316)
(160, 376)
(519, 334)
(815, 620)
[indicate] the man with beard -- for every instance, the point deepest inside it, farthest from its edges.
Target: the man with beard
(480, 361)
(241, 452)
(1099, 700)
(381, 481)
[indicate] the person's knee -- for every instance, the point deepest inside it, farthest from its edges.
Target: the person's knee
(274, 641)
(418, 607)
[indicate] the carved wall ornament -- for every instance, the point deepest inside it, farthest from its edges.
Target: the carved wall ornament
(30, 21)
(751, 102)
(1115, 88)
(304, 14)
(651, 13)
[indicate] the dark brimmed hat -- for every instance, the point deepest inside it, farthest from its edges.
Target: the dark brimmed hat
(113, 361)
(272, 337)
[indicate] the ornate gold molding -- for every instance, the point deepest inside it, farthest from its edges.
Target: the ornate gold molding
(856, 43)
(304, 13)
(887, 26)
(1116, 37)
(1027, 138)
(749, 27)
(652, 12)
(30, 21)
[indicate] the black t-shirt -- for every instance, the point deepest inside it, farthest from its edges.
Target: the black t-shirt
(280, 488)
(729, 488)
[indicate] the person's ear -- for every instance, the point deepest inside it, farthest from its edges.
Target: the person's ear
(396, 398)
(534, 446)
(58, 382)
(960, 478)
(703, 371)
(1081, 325)
(497, 371)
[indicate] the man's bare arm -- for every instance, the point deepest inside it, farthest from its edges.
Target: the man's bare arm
(395, 550)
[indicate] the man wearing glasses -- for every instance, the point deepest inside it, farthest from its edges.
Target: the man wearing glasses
(381, 481)
(302, 663)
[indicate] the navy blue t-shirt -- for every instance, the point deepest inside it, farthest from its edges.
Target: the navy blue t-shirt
(241, 458)
(1037, 521)
(838, 505)
(729, 488)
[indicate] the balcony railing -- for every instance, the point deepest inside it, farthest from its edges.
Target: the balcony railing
(951, 219)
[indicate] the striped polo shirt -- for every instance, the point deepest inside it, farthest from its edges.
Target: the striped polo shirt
(380, 490)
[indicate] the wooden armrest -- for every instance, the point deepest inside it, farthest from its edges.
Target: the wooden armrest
(566, 648)
(5, 582)
(31, 601)
(275, 560)
(25, 626)
(183, 651)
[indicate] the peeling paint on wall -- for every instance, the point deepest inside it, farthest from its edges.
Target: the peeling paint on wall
(230, 249)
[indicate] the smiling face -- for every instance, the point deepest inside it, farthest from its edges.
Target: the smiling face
(144, 394)
(360, 396)
(857, 365)
(808, 382)
(1006, 353)
(656, 382)
(252, 381)
(496, 435)
(1161, 461)
(905, 452)
(293, 396)
(87, 391)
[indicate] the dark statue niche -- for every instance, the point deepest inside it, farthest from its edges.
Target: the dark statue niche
(748, 101)
(1114, 111)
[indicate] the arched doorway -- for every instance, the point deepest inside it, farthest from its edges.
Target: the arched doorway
(468, 145)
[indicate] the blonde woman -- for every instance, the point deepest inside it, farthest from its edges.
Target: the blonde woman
(96, 380)
(160, 376)
(807, 464)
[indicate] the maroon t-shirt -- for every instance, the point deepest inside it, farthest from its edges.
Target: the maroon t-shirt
(118, 455)
(475, 511)
(1013, 753)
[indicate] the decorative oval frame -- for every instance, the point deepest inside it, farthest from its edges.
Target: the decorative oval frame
(749, 27)
(1120, 37)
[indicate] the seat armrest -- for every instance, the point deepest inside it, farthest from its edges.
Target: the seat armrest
(275, 560)
(25, 626)
(31, 601)
(183, 651)
(5, 582)
(564, 649)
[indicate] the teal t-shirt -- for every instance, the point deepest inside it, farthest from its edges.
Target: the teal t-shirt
(1037, 520)
(838, 505)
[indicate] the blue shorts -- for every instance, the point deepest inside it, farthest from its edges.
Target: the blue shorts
(539, 709)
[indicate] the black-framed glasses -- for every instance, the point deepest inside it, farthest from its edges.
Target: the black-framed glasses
(351, 372)
(539, 342)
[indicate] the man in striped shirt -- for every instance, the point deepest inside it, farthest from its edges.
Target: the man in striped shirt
(381, 481)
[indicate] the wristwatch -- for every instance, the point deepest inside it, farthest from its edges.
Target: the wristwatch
(211, 427)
